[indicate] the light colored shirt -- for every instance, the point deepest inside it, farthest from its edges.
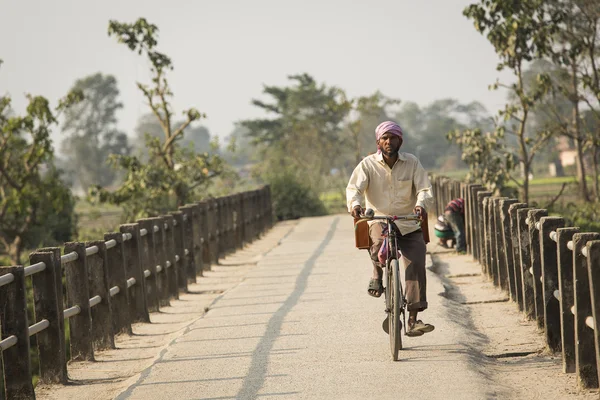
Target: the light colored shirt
(390, 191)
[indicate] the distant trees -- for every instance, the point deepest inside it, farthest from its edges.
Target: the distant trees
(91, 131)
(301, 144)
(35, 205)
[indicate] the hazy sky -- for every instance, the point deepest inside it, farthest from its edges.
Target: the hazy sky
(224, 51)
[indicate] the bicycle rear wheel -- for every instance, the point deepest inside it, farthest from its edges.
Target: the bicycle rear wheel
(395, 328)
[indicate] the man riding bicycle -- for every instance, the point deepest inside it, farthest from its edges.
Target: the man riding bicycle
(395, 183)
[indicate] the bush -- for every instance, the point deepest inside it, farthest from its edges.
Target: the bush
(294, 199)
(585, 216)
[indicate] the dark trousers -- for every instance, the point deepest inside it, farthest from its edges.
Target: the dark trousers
(413, 248)
(457, 223)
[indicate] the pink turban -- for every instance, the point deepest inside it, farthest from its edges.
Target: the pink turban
(387, 126)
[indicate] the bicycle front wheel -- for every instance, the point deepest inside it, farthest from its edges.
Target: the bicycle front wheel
(395, 327)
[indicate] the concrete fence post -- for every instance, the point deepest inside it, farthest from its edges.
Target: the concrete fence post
(515, 235)
(171, 264)
(161, 259)
(525, 256)
(566, 288)
(180, 240)
(78, 294)
(198, 239)
(549, 249)
(593, 260)
(474, 220)
(134, 272)
(585, 343)
(536, 264)
(508, 264)
(188, 243)
(115, 260)
(481, 224)
(498, 244)
(58, 280)
(13, 322)
(149, 264)
(52, 354)
(102, 328)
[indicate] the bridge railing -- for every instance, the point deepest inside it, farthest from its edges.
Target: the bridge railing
(114, 282)
(551, 271)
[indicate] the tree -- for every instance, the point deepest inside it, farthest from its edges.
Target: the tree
(302, 144)
(35, 205)
(172, 175)
(306, 131)
(197, 136)
(486, 155)
(519, 31)
(91, 130)
(425, 129)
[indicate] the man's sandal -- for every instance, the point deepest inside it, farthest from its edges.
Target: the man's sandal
(418, 328)
(375, 287)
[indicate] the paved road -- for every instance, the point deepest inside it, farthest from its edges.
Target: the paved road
(301, 326)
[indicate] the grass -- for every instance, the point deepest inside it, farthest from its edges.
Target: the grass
(93, 221)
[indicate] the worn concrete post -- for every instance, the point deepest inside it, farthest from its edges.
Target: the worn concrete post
(204, 228)
(161, 260)
(499, 249)
(536, 264)
(188, 243)
(239, 226)
(585, 343)
(507, 247)
(102, 329)
(13, 322)
(52, 354)
(515, 234)
(58, 276)
(179, 240)
(525, 255)
(198, 240)
(487, 253)
(474, 219)
(115, 261)
(549, 250)
(593, 261)
(481, 226)
(78, 294)
(171, 263)
(567, 296)
(149, 263)
(134, 272)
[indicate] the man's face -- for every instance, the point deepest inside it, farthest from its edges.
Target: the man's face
(389, 144)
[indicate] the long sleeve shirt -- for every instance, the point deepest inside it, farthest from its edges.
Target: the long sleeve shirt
(390, 191)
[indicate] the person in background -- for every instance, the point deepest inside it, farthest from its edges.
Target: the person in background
(455, 215)
(444, 233)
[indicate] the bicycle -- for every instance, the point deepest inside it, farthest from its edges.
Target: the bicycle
(395, 302)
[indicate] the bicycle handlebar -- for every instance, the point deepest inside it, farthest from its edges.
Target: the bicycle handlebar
(369, 216)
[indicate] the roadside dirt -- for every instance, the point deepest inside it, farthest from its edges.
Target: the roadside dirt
(505, 345)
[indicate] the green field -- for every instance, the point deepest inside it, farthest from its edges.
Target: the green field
(93, 221)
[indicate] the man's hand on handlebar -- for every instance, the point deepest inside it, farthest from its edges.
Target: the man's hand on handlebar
(357, 211)
(420, 211)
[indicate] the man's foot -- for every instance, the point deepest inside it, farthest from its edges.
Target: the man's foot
(375, 287)
(418, 328)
